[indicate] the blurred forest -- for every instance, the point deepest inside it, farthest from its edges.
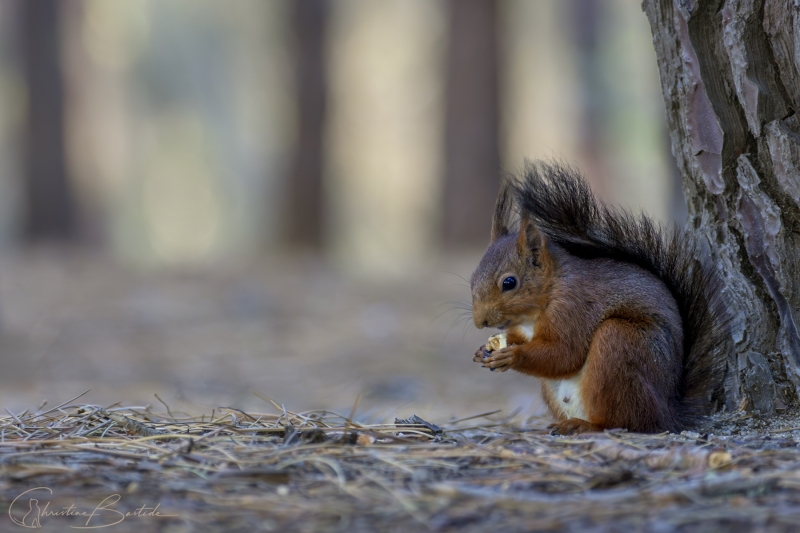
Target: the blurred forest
(191, 189)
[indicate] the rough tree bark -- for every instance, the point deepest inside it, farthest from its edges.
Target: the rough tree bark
(730, 74)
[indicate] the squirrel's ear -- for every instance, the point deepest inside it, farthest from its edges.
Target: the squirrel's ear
(502, 211)
(530, 239)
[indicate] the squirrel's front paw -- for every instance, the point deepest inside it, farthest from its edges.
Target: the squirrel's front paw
(500, 360)
(482, 352)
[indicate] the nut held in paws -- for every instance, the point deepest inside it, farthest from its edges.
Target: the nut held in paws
(496, 342)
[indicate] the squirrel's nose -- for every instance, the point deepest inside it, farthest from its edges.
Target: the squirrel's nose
(481, 316)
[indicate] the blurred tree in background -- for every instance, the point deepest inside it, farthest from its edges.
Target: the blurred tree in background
(50, 207)
(587, 17)
(306, 207)
(472, 157)
(375, 132)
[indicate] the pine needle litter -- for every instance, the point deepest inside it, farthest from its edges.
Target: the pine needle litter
(232, 470)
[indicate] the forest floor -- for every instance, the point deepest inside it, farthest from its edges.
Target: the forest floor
(279, 396)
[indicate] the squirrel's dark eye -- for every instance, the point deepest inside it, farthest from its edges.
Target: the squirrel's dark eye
(509, 283)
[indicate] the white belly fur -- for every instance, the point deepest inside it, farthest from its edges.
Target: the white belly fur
(566, 392)
(567, 395)
(523, 330)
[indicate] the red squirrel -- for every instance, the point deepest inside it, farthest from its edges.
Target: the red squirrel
(620, 318)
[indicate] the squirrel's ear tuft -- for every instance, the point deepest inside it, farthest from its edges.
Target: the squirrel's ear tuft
(530, 239)
(502, 211)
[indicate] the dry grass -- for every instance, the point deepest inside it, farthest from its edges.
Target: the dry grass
(317, 471)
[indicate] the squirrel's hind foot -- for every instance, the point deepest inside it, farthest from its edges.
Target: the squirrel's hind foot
(572, 426)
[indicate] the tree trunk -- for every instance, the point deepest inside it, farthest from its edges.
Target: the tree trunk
(730, 74)
(304, 216)
(50, 203)
(472, 156)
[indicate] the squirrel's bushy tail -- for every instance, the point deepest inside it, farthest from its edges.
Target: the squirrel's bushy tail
(564, 208)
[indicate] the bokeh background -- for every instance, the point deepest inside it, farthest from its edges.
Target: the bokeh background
(201, 199)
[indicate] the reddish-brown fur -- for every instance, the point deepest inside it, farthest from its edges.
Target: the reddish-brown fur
(613, 319)
(599, 313)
